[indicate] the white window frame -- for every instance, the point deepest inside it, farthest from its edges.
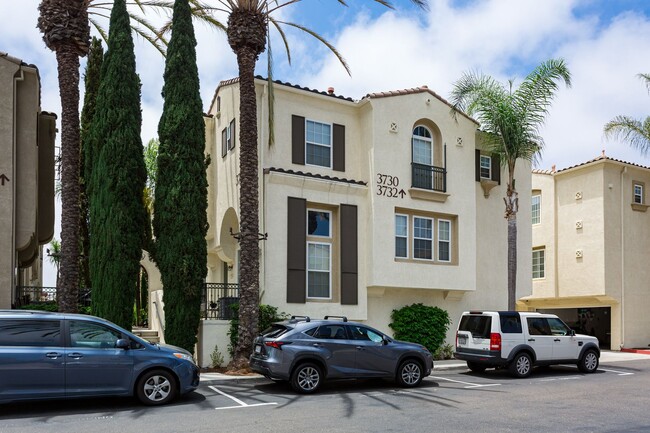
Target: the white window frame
(331, 144)
(447, 241)
(540, 271)
(403, 237)
(536, 216)
(639, 194)
(421, 138)
(329, 271)
(429, 239)
(489, 167)
(330, 221)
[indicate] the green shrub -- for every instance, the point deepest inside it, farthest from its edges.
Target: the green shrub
(421, 324)
(268, 316)
(446, 351)
(216, 357)
(53, 307)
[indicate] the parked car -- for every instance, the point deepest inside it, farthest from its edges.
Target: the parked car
(47, 355)
(306, 352)
(521, 340)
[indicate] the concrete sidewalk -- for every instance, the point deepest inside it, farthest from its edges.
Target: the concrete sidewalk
(606, 357)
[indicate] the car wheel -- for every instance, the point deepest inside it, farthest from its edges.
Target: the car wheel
(522, 365)
(306, 378)
(589, 362)
(476, 367)
(156, 387)
(409, 373)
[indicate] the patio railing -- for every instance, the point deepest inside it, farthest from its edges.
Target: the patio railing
(34, 295)
(217, 299)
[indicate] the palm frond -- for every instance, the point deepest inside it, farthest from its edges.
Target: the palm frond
(324, 41)
(283, 36)
(635, 132)
(646, 78)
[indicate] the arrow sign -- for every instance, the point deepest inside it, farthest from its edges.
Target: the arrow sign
(3, 178)
(401, 193)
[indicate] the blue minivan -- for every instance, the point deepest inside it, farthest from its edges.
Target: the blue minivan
(47, 355)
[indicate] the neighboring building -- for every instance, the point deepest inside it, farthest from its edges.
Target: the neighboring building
(26, 178)
(369, 205)
(591, 238)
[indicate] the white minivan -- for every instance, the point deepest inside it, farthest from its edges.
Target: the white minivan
(521, 340)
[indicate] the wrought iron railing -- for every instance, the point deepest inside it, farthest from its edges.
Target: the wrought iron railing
(41, 295)
(217, 300)
(429, 177)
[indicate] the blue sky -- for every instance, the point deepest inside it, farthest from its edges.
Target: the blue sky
(605, 43)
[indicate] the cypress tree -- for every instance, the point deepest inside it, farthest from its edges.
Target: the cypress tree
(92, 79)
(180, 219)
(117, 214)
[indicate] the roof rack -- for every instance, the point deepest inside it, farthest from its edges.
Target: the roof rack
(299, 318)
(343, 318)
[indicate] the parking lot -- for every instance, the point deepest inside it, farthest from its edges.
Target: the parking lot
(560, 398)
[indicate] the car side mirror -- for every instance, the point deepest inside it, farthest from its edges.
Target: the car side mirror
(572, 333)
(122, 343)
(384, 341)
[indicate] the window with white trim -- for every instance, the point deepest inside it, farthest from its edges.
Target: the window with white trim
(444, 240)
(319, 254)
(486, 167)
(638, 193)
(538, 263)
(536, 209)
(318, 144)
(401, 236)
(422, 238)
(422, 146)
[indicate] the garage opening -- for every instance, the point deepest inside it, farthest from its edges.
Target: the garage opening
(591, 321)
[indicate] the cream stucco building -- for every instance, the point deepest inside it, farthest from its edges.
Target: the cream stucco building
(26, 177)
(591, 234)
(369, 205)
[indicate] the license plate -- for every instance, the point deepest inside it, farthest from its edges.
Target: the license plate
(258, 349)
(462, 340)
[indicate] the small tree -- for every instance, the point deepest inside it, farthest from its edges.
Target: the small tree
(421, 324)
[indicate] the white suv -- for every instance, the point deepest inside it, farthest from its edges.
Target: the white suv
(521, 340)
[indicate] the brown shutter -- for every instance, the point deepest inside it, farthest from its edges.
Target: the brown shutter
(224, 142)
(477, 164)
(349, 255)
(496, 168)
(339, 147)
(231, 145)
(296, 250)
(298, 140)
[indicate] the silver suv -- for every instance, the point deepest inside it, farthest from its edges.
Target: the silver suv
(521, 340)
(306, 352)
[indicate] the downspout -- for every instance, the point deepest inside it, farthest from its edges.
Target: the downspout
(556, 247)
(18, 76)
(262, 215)
(623, 172)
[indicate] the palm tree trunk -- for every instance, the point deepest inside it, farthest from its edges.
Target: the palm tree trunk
(68, 285)
(512, 206)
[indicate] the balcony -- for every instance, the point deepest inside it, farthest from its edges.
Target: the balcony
(217, 299)
(429, 177)
(37, 295)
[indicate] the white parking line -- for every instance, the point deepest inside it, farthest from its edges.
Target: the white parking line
(620, 373)
(236, 400)
(470, 385)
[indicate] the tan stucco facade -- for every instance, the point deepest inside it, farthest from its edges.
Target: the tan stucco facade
(596, 241)
(378, 133)
(26, 177)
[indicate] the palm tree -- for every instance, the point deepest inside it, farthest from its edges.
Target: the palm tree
(636, 132)
(511, 119)
(248, 31)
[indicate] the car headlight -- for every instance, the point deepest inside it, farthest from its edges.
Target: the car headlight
(184, 356)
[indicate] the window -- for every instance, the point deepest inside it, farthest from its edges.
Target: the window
(366, 334)
(538, 326)
(92, 335)
(319, 254)
(422, 146)
(638, 193)
(486, 167)
(401, 236)
(331, 332)
(318, 147)
(422, 238)
(558, 327)
(510, 323)
(318, 270)
(224, 142)
(38, 333)
(538, 263)
(536, 210)
(231, 135)
(444, 240)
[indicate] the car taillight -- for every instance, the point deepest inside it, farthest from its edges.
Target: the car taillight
(495, 341)
(276, 344)
(456, 338)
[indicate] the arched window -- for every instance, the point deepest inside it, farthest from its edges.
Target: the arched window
(422, 146)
